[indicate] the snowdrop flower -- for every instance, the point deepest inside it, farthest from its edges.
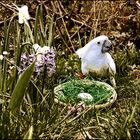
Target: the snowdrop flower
(23, 14)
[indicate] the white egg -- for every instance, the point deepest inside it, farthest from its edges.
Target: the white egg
(85, 97)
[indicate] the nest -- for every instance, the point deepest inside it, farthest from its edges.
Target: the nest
(103, 95)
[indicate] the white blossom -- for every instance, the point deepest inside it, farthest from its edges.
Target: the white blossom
(23, 14)
(1, 57)
(36, 47)
(40, 51)
(5, 53)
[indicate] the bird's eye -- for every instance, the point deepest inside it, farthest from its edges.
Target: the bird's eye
(98, 42)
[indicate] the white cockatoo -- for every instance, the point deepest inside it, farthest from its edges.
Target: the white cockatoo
(96, 59)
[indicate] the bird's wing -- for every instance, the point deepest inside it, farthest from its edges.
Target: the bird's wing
(112, 67)
(82, 52)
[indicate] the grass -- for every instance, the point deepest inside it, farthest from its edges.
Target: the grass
(36, 115)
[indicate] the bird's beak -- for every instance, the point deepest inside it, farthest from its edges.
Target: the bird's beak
(107, 46)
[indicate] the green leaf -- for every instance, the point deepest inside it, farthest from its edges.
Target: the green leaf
(51, 31)
(36, 25)
(19, 90)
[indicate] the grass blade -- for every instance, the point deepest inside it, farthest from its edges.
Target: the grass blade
(29, 133)
(51, 32)
(36, 25)
(20, 87)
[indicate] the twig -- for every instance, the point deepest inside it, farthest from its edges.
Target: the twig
(61, 35)
(138, 4)
(8, 20)
(58, 2)
(54, 10)
(9, 7)
(99, 13)
(83, 23)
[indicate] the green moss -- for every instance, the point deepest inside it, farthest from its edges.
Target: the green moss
(71, 89)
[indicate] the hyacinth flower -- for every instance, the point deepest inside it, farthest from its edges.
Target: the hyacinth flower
(43, 56)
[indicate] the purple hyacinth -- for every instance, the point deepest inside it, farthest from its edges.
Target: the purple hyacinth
(43, 56)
